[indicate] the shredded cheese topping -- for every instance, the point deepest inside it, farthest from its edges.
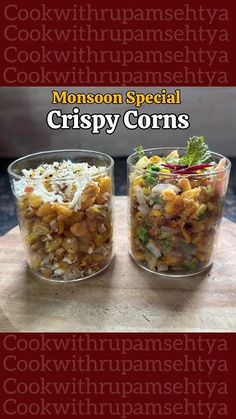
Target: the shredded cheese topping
(60, 181)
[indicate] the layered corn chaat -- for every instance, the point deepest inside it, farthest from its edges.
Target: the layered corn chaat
(65, 211)
(176, 203)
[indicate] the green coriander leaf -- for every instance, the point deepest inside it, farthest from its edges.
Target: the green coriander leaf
(166, 245)
(150, 179)
(191, 265)
(153, 167)
(143, 236)
(152, 170)
(158, 200)
(139, 149)
(205, 215)
(197, 152)
(147, 223)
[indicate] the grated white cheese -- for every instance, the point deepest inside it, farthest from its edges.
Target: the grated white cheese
(67, 181)
(80, 185)
(62, 170)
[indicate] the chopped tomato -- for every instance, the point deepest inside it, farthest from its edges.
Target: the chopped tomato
(29, 189)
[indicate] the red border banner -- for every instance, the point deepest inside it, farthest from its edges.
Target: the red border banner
(120, 375)
(104, 44)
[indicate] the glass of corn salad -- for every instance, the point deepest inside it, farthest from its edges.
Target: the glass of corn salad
(176, 199)
(64, 203)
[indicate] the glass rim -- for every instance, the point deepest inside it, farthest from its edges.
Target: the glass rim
(220, 156)
(48, 152)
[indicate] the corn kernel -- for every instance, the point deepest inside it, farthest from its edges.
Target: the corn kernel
(97, 258)
(88, 260)
(80, 229)
(36, 261)
(201, 210)
(94, 212)
(34, 201)
(84, 247)
(29, 212)
(40, 229)
(61, 224)
(184, 184)
(99, 239)
(139, 217)
(191, 207)
(48, 185)
(52, 245)
(139, 254)
(165, 170)
(46, 271)
(175, 207)
(22, 204)
(48, 219)
(70, 244)
(168, 195)
(62, 209)
(139, 181)
(192, 194)
(75, 218)
(92, 225)
(45, 210)
(63, 265)
(155, 159)
(172, 260)
(186, 234)
(89, 196)
(146, 191)
(31, 238)
(210, 206)
(155, 213)
(105, 184)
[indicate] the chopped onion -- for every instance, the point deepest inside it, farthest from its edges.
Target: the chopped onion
(162, 268)
(153, 248)
(140, 195)
(170, 230)
(222, 164)
(162, 186)
(188, 249)
(142, 163)
(151, 262)
(143, 207)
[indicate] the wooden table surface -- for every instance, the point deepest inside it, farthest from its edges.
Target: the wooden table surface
(124, 298)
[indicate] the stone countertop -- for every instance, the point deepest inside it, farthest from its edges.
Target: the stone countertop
(123, 298)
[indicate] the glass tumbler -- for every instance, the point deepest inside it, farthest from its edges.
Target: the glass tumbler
(175, 234)
(66, 220)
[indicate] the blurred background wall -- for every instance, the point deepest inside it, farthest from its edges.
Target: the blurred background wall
(23, 127)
